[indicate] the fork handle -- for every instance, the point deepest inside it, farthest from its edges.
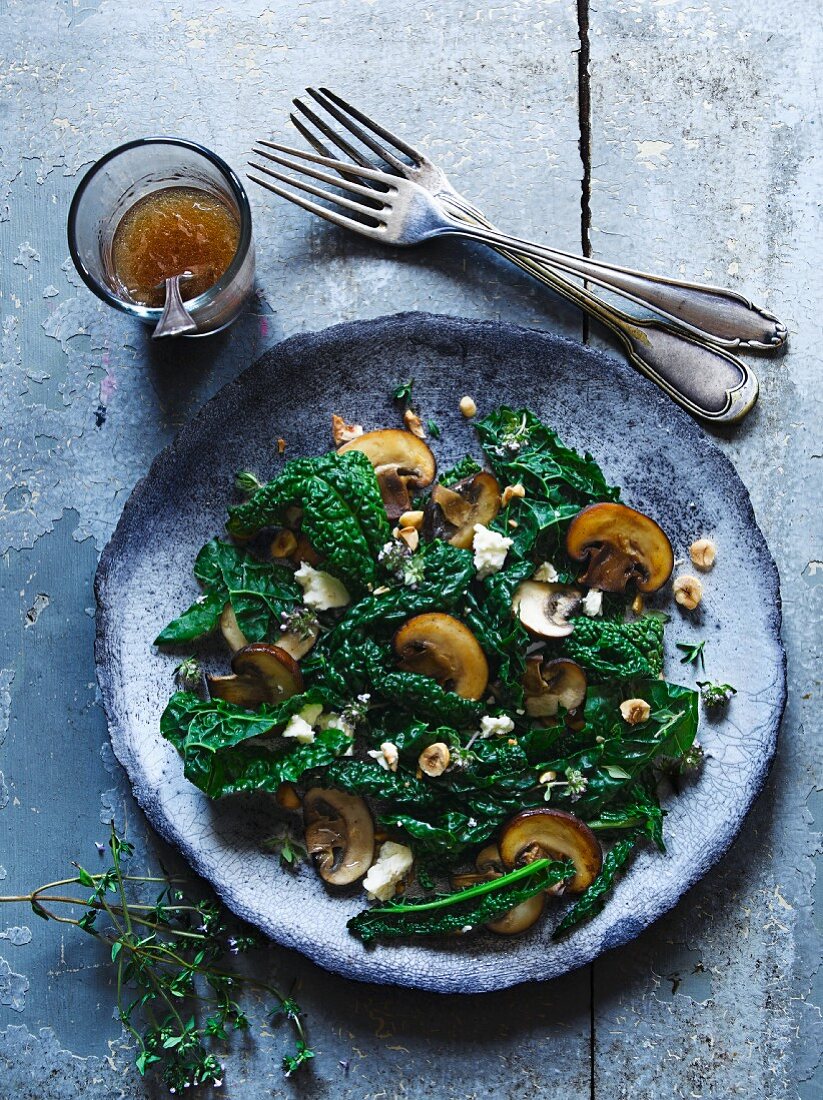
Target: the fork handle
(721, 316)
(708, 381)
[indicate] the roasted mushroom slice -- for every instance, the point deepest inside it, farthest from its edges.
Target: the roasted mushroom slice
(553, 834)
(299, 641)
(403, 464)
(262, 674)
(619, 546)
(544, 608)
(230, 629)
(339, 835)
(440, 646)
(550, 685)
(452, 511)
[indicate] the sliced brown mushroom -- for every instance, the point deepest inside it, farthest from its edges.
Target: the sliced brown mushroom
(553, 834)
(544, 607)
(619, 546)
(230, 629)
(550, 685)
(452, 511)
(440, 646)
(339, 835)
(403, 464)
(490, 866)
(263, 673)
(297, 643)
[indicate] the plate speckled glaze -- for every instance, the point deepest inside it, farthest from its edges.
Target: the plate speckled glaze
(666, 465)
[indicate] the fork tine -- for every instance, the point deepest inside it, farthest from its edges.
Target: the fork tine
(329, 162)
(336, 112)
(315, 208)
(318, 192)
(381, 131)
(324, 177)
(328, 132)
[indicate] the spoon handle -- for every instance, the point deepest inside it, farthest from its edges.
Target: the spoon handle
(175, 319)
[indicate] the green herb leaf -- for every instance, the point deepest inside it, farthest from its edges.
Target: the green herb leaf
(692, 654)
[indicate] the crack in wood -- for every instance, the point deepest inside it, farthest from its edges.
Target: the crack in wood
(584, 108)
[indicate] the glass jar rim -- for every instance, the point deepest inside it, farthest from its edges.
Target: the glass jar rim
(152, 313)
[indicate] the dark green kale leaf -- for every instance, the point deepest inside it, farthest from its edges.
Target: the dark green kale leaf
(639, 810)
(592, 900)
(610, 650)
(213, 738)
(343, 514)
(464, 468)
(424, 697)
(359, 777)
(257, 767)
(462, 910)
(522, 449)
(259, 593)
(215, 724)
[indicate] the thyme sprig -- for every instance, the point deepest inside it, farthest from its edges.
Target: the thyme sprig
(173, 996)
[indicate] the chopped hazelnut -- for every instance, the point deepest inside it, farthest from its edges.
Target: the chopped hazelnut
(343, 432)
(513, 523)
(688, 591)
(281, 446)
(287, 797)
(703, 552)
(468, 406)
(637, 604)
(284, 544)
(414, 424)
(410, 519)
(635, 711)
(435, 759)
(512, 491)
(411, 537)
(390, 755)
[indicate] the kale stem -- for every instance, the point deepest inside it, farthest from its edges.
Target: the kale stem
(472, 891)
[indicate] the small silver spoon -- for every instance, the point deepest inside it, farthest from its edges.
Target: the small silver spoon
(175, 319)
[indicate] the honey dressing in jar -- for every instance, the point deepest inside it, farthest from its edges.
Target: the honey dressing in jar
(167, 232)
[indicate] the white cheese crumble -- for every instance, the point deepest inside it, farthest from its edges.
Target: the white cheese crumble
(393, 863)
(495, 727)
(546, 572)
(490, 550)
(301, 725)
(593, 603)
(321, 590)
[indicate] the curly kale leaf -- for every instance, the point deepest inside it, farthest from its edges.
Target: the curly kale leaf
(343, 514)
(462, 910)
(639, 811)
(359, 777)
(592, 900)
(259, 593)
(609, 650)
(221, 747)
(466, 467)
(214, 724)
(521, 448)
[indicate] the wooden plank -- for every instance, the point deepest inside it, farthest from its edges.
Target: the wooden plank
(491, 92)
(704, 120)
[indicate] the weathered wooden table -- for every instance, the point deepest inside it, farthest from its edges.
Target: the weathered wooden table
(673, 136)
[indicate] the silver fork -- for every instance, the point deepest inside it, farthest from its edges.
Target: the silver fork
(707, 380)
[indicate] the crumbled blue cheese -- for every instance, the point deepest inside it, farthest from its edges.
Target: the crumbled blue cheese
(490, 550)
(393, 863)
(593, 603)
(321, 590)
(499, 726)
(301, 725)
(546, 572)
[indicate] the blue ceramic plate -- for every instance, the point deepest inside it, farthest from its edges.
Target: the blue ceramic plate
(666, 466)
